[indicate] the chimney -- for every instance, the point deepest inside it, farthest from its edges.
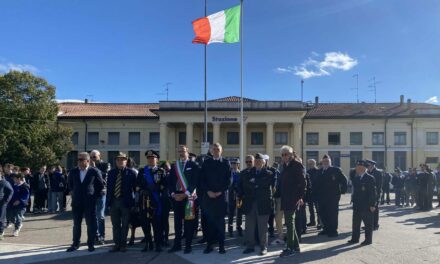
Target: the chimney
(316, 101)
(86, 101)
(408, 103)
(402, 99)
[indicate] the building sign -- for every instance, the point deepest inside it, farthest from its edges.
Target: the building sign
(227, 119)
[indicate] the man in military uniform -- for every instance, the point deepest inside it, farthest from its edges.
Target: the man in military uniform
(330, 185)
(232, 199)
(215, 181)
(385, 188)
(104, 167)
(120, 189)
(255, 192)
(378, 176)
(364, 203)
(152, 187)
(182, 185)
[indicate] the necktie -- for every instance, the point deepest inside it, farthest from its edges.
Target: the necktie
(118, 184)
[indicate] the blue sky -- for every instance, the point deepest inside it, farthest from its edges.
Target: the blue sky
(125, 51)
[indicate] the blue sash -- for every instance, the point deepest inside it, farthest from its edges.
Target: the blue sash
(156, 197)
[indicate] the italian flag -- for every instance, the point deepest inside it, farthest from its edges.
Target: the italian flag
(221, 27)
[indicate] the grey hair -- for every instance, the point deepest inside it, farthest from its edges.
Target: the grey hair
(96, 152)
(84, 154)
(286, 148)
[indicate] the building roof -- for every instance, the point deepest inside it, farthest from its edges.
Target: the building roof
(107, 110)
(372, 110)
(233, 99)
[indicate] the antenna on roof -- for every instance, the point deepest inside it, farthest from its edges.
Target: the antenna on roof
(373, 86)
(89, 97)
(357, 86)
(302, 90)
(167, 89)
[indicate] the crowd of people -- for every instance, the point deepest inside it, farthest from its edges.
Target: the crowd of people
(209, 193)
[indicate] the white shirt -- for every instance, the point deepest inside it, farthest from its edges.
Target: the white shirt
(82, 174)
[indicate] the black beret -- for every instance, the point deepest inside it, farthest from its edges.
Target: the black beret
(152, 153)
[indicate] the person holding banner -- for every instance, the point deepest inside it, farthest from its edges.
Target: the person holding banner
(151, 186)
(183, 179)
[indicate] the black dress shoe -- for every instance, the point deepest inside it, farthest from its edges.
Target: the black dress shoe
(366, 243)
(114, 249)
(72, 248)
(221, 250)
(187, 250)
(248, 250)
(91, 248)
(351, 241)
(208, 250)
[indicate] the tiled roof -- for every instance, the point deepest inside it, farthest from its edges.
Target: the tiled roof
(372, 110)
(233, 99)
(106, 110)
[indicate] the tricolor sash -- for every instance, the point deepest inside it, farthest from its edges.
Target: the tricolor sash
(190, 206)
(156, 196)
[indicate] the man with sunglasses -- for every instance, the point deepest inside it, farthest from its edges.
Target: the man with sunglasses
(85, 184)
(104, 167)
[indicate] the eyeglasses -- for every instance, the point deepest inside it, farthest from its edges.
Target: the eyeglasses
(285, 154)
(81, 159)
(248, 161)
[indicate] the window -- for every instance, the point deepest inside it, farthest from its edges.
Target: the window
(136, 156)
(232, 138)
(354, 157)
(281, 138)
(431, 160)
(336, 158)
(134, 138)
(257, 138)
(399, 138)
(312, 138)
(378, 138)
(74, 138)
(379, 158)
(400, 159)
(113, 138)
(93, 138)
(355, 138)
(154, 137)
(72, 157)
(334, 138)
(431, 138)
(312, 155)
(182, 138)
(112, 157)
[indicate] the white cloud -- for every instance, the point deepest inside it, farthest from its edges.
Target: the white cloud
(6, 67)
(315, 67)
(432, 100)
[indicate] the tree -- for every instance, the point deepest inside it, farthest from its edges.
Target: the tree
(29, 131)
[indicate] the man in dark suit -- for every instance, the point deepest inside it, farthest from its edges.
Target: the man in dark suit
(330, 185)
(85, 185)
(121, 186)
(215, 181)
(182, 185)
(364, 201)
(378, 176)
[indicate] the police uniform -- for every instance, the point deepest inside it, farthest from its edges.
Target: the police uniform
(364, 198)
(330, 185)
(378, 176)
(152, 185)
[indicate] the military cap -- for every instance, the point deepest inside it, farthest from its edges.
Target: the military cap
(122, 155)
(370, 162)
(235, 161)
(326, 156)
(192, 155)
(259, 156)
(362, 163)
(266, 157)
(152, 153)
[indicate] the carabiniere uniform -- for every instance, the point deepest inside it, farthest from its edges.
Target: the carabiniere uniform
(152, 187)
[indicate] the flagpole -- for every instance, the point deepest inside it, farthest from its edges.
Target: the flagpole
(205, 135)
(241, 86)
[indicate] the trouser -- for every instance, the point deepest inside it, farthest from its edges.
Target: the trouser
(329, 211)
(313, 208)
(120, 217)
(410, 197)
(259, 222)
(215, 227)
(385, 196)
(165, 223)
(16, 215)
(56, 201)
(100, 216)
(180, 222)
(399, 196)
(29, 204)
(367, 218)
(2, 217)
(88, 212)
(292, 241)
(40, 199)
(300, 221)
(279, 218)
(232, 211)
(376, 216)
